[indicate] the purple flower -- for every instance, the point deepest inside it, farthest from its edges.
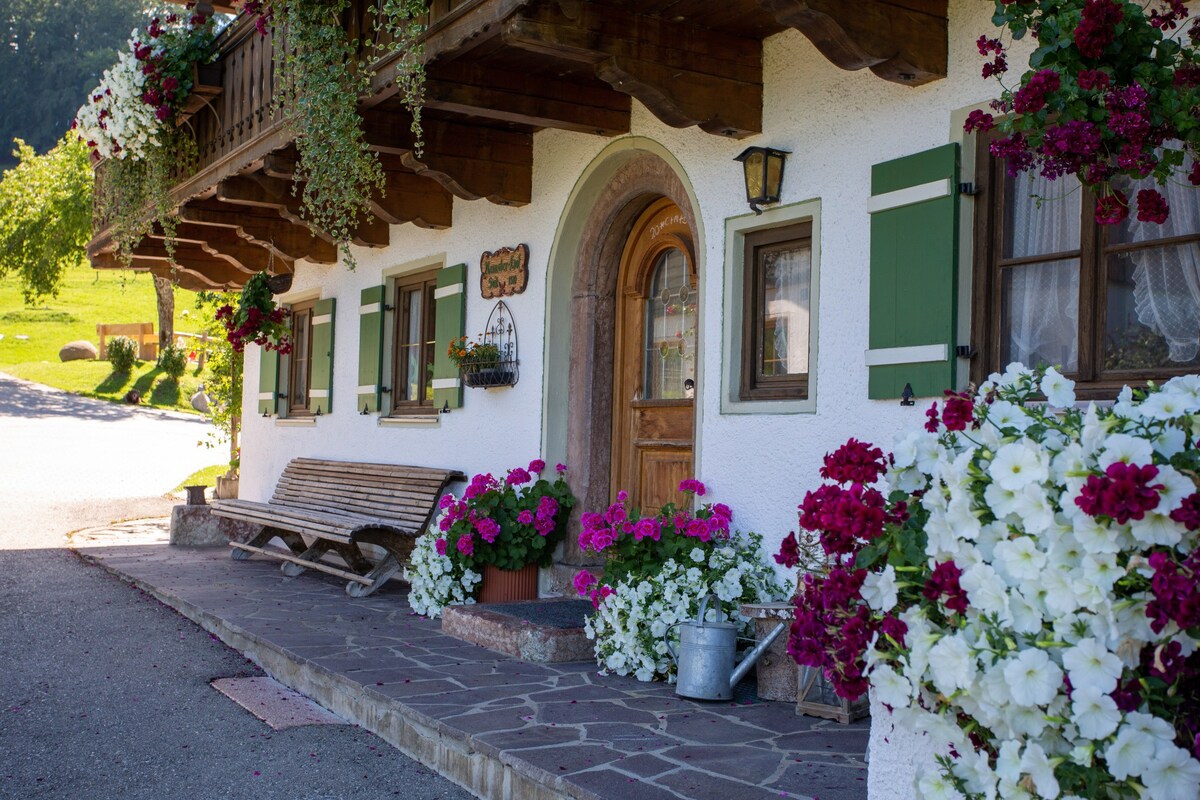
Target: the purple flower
(560, 468)
(440, 546)
(547, 507)
(518, 476)
(525, 517)
(693, 486)
(536, 466)
(489, 529)
(466, 544)
(647, 527)
(583, 581)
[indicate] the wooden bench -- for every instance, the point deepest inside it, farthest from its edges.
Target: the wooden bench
(341, 505)
(140, 332)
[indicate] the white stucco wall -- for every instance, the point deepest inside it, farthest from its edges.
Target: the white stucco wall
(836, 125)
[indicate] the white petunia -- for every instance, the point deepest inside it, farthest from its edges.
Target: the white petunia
(1040, 770)
(879, 589)
(1176, 487)
(1126, 449)
(1129, 754)
(933, 785)
(951, 664)
(1094, 712)
(1059, 391)
(1020, 559)
(891, 687)
(1172, 775)
(1019, 464)
(985, 589)
(1034, 509)
(697, 555)
(1166, 405)
(1004, 414)
(1033, 678)
(1023, 614)
(1156, 528)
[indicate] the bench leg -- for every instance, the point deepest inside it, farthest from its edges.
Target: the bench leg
(319, 548)
(378, 576)
(294, 542)
(353, 557)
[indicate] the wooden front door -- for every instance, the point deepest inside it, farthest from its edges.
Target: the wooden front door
(654, 381)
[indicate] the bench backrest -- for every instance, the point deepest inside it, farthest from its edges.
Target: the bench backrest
(402, 495)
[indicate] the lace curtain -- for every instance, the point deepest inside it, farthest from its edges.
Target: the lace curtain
(1043, 299)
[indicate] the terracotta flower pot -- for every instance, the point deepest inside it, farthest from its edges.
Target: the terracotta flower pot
(508, 586)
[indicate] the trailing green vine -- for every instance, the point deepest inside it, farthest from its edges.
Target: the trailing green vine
(404, 22)
(321, 79)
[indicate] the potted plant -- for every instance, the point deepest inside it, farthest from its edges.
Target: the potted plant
(659, 568)
(506, 529)
(257, 319)
(1020, 580)
(481, 363)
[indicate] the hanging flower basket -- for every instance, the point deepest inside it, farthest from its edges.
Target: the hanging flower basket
(257, 319)
(1109, 97)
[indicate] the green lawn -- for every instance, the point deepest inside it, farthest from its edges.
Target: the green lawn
(203, 477)
(90, 297)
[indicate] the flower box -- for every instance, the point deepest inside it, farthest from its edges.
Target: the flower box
(491, 376)
(508, 585)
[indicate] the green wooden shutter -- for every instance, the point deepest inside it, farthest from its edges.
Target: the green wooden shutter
(370, 349)
(449, 323)
(914, 273)
(320, 394)
(268, 381)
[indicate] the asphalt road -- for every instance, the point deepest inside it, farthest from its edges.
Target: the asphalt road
(104, 691)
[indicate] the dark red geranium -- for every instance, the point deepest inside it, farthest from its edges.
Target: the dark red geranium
(1152, 206)
(854, 462)
(1122, 493)
(1112, 209)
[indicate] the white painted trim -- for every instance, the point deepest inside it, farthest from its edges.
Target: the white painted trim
(917, 354)
(446, 383)
(322, 319)
(296, 422)
(369, 388)
(266, 395)
(907, 197)
(446, 291)
(370, 308)
(430, 420)
(320, 394)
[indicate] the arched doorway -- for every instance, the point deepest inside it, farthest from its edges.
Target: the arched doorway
(654, 364)
(583, 275)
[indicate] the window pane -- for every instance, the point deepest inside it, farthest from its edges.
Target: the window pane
(1182, 199)
(1040, 314)
(786, 280)
(430, 340)
(670, 329)
(1153, 315)
(301, 326)
(411, 345)
(1042, 216)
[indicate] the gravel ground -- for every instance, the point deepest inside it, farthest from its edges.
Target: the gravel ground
(104, 692)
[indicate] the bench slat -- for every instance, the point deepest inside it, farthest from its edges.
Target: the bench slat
(365, 506)
(385, 495)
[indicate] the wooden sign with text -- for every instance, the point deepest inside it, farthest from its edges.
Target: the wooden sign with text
(504, 272)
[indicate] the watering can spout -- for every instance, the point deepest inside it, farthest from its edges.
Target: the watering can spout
(754, 655)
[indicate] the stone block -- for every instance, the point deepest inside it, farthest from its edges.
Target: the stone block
(196, 526)
(528, 641)
(777, 672)
(81, 350)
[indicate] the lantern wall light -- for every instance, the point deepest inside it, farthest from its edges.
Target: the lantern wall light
(762, 169)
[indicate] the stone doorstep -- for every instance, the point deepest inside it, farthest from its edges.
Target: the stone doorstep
(475, 765)
(516, 637)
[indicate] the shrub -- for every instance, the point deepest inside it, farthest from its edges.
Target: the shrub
(173, 361)
(122, 353)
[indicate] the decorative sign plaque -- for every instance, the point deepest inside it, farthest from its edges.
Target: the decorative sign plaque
(504, 272)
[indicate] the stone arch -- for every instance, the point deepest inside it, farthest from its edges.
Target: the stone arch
(582, 273)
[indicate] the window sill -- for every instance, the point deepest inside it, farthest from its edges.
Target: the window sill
(425, 420)
(296, 422)
(729, 406)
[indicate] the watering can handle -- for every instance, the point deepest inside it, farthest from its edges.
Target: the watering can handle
(704, 607)
(667, 639)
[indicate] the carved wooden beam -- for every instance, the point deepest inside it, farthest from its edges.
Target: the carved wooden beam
(538, 101)
(472, 161)
(685, 75)
(406, 197)
(217, 271)
(268, 230)
(259, 190)
(227, 244)
(904, 41)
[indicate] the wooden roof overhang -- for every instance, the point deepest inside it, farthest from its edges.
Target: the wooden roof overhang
(497, 71)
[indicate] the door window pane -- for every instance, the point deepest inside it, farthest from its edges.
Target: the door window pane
(1042, 216)
(412, 345)
(670, 329)
(1040, 314)
(1153, 308)
(786, 280)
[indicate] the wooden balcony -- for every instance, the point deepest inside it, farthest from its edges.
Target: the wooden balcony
(497, 72)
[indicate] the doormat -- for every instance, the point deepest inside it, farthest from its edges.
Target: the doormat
(549, 614)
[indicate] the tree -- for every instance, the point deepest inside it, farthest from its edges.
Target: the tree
(224, 384)
(52, 53)
(45, 215)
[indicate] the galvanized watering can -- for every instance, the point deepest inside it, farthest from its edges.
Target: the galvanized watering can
(706, 656)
